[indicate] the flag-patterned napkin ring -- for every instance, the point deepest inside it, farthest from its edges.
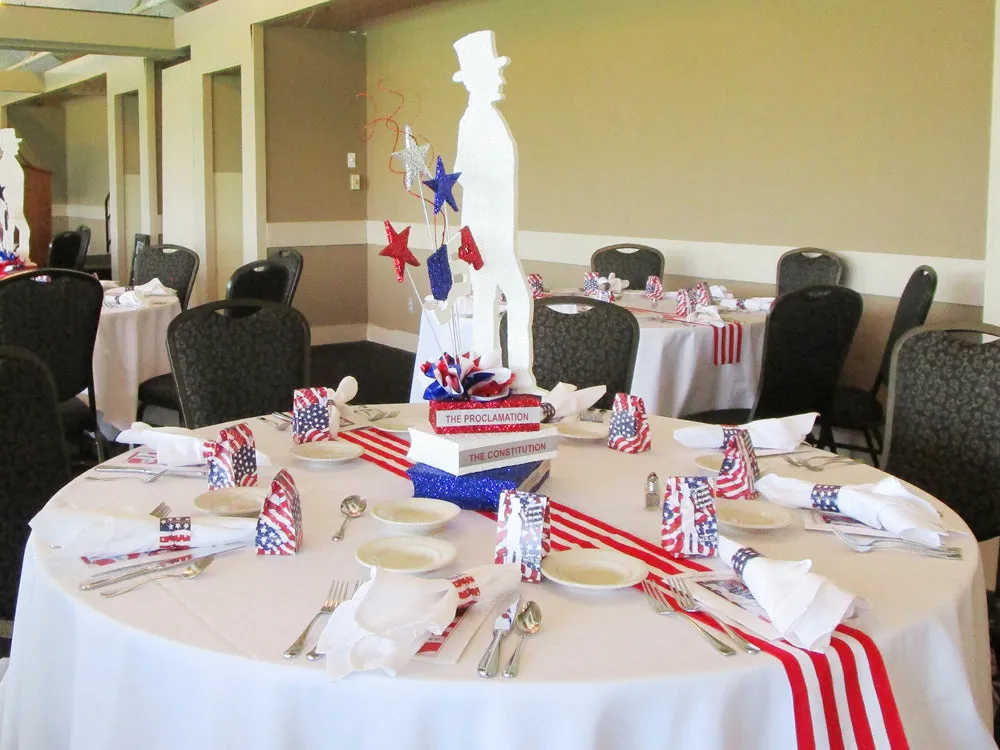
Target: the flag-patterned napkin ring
(686, 302)
(654, 288)
(232, 459)
(477, 378)
(824, 497)
(535, 284)
(739, 474)
(175, 533)
(311, 415)
(628, 431)
(689, 523)
(279, 525)
(702, 294)
(523, 532)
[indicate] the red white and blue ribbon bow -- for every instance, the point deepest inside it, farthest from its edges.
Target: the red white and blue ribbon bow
(477, 378)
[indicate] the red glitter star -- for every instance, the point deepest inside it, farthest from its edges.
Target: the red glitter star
(398, 250)
(469, 250)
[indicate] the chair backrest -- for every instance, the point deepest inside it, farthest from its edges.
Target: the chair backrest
(595, 346)
(34, 464)
(84, 231)
(261, 279)
(808, 266)
(235, 366)
(628, 261)
(68, 250)
(293, 260)
(806, 341)
(914, 304)
(54, 313)
(943, 419)
(175, 266)
(139, 243)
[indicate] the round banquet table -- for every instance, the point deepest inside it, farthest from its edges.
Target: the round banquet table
(198, 664)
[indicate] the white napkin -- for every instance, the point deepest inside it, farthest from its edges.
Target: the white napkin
(568, 401)
(175, 446)
(155, 288)
(346, 391)
(886, 505)
(613, 283)
(781, 434)
(750, 304)
(392, 615)
(719, 292)
(804, 607)
(108, 531)
(132, 298)
(706, 314)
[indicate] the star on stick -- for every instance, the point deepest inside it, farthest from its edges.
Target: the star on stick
(468, 250)
(398, 249)
(413, 158)
(441, 184)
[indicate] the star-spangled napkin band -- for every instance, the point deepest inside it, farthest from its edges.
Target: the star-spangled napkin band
(824, 497)
(175, 533)
(741, 557)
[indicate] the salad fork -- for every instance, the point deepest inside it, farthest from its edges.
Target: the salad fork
(661, 606)
(161, 511)
(942, 553)
(688, 603)
(313, 655)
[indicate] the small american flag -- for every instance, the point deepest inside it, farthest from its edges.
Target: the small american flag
(628, 431)
(689, 522)
(728, 343)
(739, 474)
(279, 526)
(523, 532)
(232, 459)
(654, 288)
(175, 533)
(686, 302)
(824, 497)
(702, 294)
(311, 415)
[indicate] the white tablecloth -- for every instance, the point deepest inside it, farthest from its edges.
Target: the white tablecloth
(197, 664)
(674, 367)
(131, 347)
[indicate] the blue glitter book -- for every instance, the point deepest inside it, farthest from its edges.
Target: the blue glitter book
(479, 490)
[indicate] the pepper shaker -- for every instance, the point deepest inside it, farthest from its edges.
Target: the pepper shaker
(652, 491)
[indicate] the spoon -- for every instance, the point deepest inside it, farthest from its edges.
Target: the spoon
(528, 622)
(352, 507)
(191, 571)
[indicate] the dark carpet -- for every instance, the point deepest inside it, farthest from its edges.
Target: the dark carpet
(383, 373)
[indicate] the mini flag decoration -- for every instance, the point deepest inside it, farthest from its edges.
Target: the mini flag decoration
(311, 415)
(279, 525)
(535, 284)
(442, 184)
(727, 343)
(398, 249)
(689, 525)
(232, 459)
(702, 294)
(523, 532)
(590, 282)
(654, 288)
(686, 302)
(175, 533)
(478, 378)
(468, 250)
(628, 431)
(739, 473)
(439, 273)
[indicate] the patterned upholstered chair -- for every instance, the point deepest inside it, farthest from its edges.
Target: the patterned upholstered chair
(806, 341)
(234, 366)
(175, 267)
(68, 250)
(595, 346)
(628, 261)
(262, 279)
(140, 243)
(293, 261)
(808, 266)
(858, 408)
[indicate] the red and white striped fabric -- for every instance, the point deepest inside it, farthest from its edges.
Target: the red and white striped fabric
(738, 476)
(702, 294)
(727, 344)
(279, 526)
(687, 303)
(381, 448)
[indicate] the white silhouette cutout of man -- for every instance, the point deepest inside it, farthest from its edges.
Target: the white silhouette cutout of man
(12, 182)
(486, 156)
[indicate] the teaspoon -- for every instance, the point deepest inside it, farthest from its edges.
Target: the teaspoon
(352, 507)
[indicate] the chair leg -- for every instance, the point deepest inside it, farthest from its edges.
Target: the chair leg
(870, 442)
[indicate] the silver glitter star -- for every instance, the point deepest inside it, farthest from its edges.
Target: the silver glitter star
(413, 157)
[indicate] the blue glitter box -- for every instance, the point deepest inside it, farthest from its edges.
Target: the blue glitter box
(479, 490)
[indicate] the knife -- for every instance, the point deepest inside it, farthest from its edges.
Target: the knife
(152, 568)
(489, 665)
(178, 471)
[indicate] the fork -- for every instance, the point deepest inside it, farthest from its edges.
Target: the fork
(658, 601)
(375, 415)
(336, 595)
(688, 603)
(313, 655)
(807, 462)
(161, 511)
(942, 553)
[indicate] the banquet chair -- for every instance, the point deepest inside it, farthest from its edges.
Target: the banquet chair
(230, 367)
(808, 266)
(628, 261)
(859, 409)
(139, 243)
(84, 231)
(595, 346)
(291, 259)
(68, 250)
(54, 313)
(34, 467)
(175, 267)
(806, 339)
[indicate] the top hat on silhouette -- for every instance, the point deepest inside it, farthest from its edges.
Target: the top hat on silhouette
(474, 50)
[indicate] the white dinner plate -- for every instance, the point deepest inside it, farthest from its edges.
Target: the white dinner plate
(751, 515)
(406, 554)
(593, 569)
(710, 462)
(577, 430)
(243, 502)
(416, 515)
(328, 451)
(394, 426)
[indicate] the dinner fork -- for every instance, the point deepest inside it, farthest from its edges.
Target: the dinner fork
(661, 606)
(688, 603)
(941, 553)
(313, 655)
(336, 595)
(161, 511)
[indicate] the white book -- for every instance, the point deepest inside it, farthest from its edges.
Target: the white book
(466, 453)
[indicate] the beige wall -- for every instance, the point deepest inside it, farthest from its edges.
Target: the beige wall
(42, 129)
(87, 151)
(227, 178)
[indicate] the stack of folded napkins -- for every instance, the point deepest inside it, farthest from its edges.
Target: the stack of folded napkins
(886, 505)
(174, 446)
(782, 434)
(805, 608)
(391, 617)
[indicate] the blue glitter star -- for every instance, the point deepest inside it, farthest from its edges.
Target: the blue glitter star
(441, 184)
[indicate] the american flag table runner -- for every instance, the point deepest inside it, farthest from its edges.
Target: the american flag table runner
(310, 415)
(383, 449)
(232, 459)
(727, 344)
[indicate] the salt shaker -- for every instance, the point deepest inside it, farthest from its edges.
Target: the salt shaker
(652, 491)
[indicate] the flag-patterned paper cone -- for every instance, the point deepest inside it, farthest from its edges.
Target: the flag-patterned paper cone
(686, 302)
(654, 288)
(739, 474)
(689, 524)
(523, 532)
(590, 282)
(604, 295)
(535, 284)
(232, 459)
(702, 294)
(279, 525)
(311, 415)
(629, 428)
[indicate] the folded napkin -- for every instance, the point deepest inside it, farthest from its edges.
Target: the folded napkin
(804, 607)
(155, 288)
(706, 314)
(613, 283)
(392, 615)
(719, 292)
(346, 391)
(116, 530)
(133, 298)
(174, 446)
(886, 505)
(567, 401)
(780, 434)
(750, 304)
